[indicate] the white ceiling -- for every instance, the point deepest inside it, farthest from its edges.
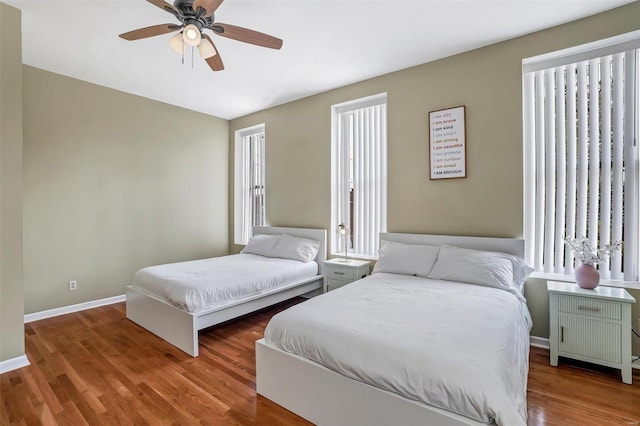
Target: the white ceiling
(327, 44)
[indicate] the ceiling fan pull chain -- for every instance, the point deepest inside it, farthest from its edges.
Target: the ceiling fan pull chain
(182, 53)
(192, 57)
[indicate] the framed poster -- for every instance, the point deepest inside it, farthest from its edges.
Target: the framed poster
(447, 144)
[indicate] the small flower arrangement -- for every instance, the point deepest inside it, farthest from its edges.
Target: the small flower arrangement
(582, 249)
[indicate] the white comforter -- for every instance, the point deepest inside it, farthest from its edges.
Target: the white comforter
(460, 347)
(203, 284)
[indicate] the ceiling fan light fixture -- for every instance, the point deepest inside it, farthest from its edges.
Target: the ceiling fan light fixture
(176, 43)
(206, 49)
(191, 35)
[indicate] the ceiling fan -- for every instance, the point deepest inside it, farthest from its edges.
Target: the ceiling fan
(195, 16)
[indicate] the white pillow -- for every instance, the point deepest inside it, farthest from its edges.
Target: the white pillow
(521, 272)
(406, 259)
(486, 268)
(261, 244)
(295, 248)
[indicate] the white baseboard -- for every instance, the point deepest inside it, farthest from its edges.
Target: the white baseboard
(13, 364)
(539, 342)
(73, 308)
(543, 342)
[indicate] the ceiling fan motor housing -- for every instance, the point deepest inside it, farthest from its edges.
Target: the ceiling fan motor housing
(187, 15)
(183, 4)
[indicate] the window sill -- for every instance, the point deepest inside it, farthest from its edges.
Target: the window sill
(633, 285)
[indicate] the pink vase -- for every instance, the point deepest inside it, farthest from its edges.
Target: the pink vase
(587, 276)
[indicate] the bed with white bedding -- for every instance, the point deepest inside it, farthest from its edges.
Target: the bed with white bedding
(176, 300)
(386, 328)
(198, 285)
(401, 349)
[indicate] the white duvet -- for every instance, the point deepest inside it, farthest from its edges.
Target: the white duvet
(460, 347)
(203, 284)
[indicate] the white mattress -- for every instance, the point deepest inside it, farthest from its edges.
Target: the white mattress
(459, 347)
(203, 284)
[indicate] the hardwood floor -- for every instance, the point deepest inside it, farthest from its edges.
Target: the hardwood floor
(96, 367)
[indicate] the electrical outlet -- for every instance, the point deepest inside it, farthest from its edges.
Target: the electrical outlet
(73, 285)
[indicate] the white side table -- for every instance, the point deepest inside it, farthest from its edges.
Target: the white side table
(591, 325)
(337, 272)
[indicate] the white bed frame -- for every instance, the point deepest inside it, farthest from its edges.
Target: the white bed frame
(180, 328)
(325, 397)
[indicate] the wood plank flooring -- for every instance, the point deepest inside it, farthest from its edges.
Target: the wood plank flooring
(95, 367)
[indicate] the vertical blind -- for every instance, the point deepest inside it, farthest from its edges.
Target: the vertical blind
(249, 183)
(360, 193)
(581, 171)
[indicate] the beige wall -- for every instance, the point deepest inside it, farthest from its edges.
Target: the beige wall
(488, 202)
(11, 295)
(112, 183)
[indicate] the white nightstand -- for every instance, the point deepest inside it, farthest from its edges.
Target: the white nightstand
(591, 325)
(337, 272)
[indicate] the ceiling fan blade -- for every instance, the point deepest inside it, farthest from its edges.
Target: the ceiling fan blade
(209, 5)
(150, 31)
(168, 7)
(215, 62)
(248, 36)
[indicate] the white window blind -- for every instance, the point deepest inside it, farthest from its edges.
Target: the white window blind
(249, 191)
(359, 174)
(581, 162)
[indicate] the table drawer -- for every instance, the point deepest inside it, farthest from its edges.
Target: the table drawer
(341, 273)
(590, 307)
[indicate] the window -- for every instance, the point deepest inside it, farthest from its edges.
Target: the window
(581, 121)
(359, 174)
(249, 207)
